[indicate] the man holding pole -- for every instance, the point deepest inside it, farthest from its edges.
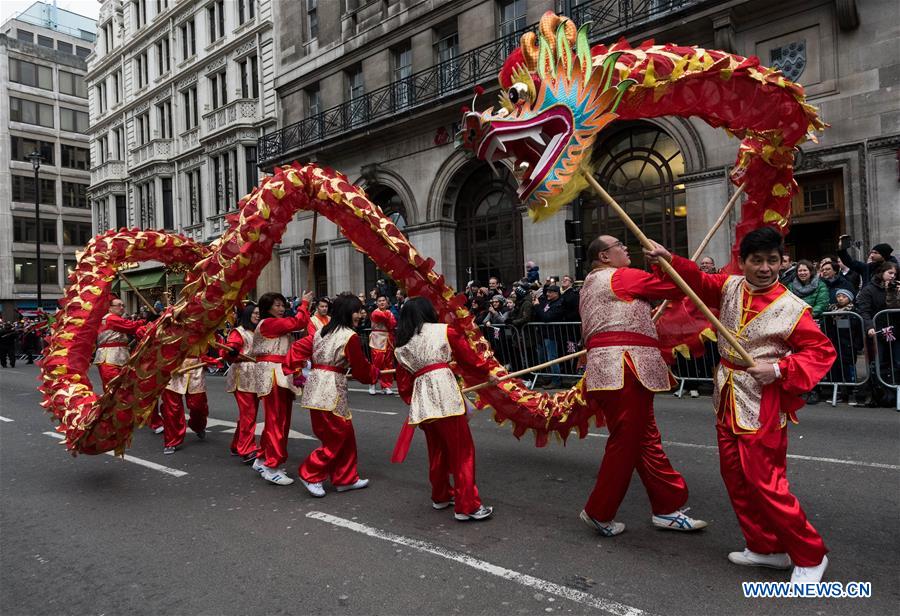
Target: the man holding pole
(112, 341)
(753, 400)
(624, 370)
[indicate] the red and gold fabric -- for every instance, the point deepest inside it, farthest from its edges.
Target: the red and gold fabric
(113, 339)
(190, 382)
(271, 342)
(326, 387)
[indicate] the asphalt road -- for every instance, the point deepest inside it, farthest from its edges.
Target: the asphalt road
(99, 535)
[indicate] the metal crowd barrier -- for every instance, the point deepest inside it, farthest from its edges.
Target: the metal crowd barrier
(887, 350)
(696, 369)
(507, 345)
(542, 342)
(847, 333)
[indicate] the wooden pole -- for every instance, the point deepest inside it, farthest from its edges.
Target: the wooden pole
(519, 373)
(725, 212)
(138, 293)
(189, 368)
(668, 269)
(311, 271)
(224, 347)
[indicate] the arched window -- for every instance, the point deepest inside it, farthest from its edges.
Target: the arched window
(639, 165)
(489, 228)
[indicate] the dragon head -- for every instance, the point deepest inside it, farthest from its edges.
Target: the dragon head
(553, 103)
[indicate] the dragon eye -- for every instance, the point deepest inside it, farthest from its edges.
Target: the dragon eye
(518, 93)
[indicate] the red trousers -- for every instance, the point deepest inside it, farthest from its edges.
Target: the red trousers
(336, 458)
(273, 441)
(244, 441)
(451, 451)
(634, 444)
(753, 467)
(384, 360)
(173, 416)
(156, 420)
(108, 372)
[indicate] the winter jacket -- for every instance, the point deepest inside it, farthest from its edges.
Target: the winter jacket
(870, 301)
(814, 293)
(838, 282)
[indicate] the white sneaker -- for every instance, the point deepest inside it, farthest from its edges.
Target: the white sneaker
(809, 575)
(158, 430)
(359, 484)
(278, 476)
(388, 391)
(258, 465)
(441, 505)
(606, 529)
(482, 513)
(314, 488)
(372, 391)
(748, 558)
(695, 393)
(677, 520)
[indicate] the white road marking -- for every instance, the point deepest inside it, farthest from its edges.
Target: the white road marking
(606, 605)
(892, 467)
(375, 412)
(139, 461)
(6, 419)
(232, 426)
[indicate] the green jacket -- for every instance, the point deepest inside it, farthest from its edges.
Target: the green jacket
(816, 298)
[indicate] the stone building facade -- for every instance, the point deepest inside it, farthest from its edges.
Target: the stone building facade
(374, 89)
(179, 93)
(43, 108)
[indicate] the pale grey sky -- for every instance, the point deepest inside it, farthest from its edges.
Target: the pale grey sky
(88, 8)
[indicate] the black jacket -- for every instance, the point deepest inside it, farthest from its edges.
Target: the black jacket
(870, 301)
(570, 301)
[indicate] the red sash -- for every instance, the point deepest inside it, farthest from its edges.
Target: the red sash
(430, 368)
(608, 339)
(275, 359)
(112, 345)
(328, 368)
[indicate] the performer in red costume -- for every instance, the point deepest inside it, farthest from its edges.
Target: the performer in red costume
(112, 349)
(243, 381)
(753, 404)
(427, 384)
(271, 342)
(624, 370)
(320, 317)
(333, 349)
(381, 342)
(191, 385)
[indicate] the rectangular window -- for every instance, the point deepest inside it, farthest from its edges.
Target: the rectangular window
(250, 77)
(188, 40)
(312, 18)
(23, 230)
(23, 190)
(140, 13)
(25, 36)
(224, 169)
(195, 213)
(75, 195)
(167, 204)
(100, 91)
(189, 100)
(23, 146)
(30, 112)
(142, 128)
(73, 157)
(142, 70)
(82, 52)
(103, 149)
(446, 52)
(73, 120)
(76, 233)
(117, 87)
(163, 59)
(121, 211)
(402, 84)
(73, 85)
(145, 204)
(161, 6)
(164, 120)
(26, 270)
(246, 10)
(30, 74)
(218, 89)
(119, 136)
(356, 95)
(65, 47)
(109, 41)
(252, 171)
(45, 41)
(215, 14)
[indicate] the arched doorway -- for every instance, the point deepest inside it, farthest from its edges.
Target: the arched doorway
(640, 166)
(392, 205)
(489, 227)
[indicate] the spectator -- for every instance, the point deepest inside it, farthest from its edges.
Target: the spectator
(372, 302)
(570, 297)
(843, 334)
(708, 265)
(872, 299)
(400, 296)
(495, 287)
(852, 277)
(550, 310)
(878, 254)
(521, 313)
(809, 288)
(833, 280)
(8, 335)
(496, 311)
(533, 274)
(788, 270)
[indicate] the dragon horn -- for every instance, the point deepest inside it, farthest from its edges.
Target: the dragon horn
(564, 50)
(609, 65)
(622, 87)
(583, 50)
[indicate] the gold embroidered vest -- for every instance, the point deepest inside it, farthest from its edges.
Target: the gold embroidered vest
(765, 339)
(436, 393)
(271, 373)
(326, 390)
(243, 375)
(191, 382)
(603, 311)
(117, 355)
(379, 338)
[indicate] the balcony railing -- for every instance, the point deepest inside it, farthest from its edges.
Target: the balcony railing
(240, 111)
(450, 78)
(190, 139)
(156, 149)
(110, 170)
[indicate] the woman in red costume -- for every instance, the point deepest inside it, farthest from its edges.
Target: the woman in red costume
(243, 380)
(333, 349)
(271, 342)
(381, 342)
(436, 404)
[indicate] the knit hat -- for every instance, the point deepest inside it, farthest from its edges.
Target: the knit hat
(884, 250)
(552, 289)
(846, 292)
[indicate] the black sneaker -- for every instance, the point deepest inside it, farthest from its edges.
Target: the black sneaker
(202, 435)
(167, 451)
(482, 513)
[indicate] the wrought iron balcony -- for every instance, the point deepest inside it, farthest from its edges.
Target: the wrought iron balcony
(448, 80)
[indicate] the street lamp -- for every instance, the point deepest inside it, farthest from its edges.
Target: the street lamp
(35, 158)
